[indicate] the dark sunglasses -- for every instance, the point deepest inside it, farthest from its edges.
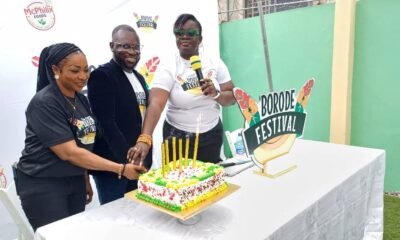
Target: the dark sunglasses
(126, 46)
(192, 32)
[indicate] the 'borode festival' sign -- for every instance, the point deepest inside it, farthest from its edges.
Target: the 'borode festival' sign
(278, 117)
(272, 124)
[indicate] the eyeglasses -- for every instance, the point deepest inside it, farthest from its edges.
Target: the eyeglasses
(192, 32)
(126, 46)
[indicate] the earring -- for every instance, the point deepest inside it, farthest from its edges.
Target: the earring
(56, 76)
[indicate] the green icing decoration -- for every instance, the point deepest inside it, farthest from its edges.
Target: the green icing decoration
(160, 182)
(209, 171)
(210, 174)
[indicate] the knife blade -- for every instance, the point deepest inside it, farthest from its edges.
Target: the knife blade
(230, 164)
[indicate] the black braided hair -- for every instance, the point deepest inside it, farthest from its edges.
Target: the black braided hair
(52, 55)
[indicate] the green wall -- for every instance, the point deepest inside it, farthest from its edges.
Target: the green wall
(376, 83)
(300, 43)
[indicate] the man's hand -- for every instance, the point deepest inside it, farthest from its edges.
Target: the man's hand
(138, 153)
(132, 171)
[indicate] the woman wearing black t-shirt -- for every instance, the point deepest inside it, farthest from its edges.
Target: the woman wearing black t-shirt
(51, 178)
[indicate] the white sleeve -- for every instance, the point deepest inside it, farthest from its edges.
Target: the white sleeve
(223, 75)
(163, 79)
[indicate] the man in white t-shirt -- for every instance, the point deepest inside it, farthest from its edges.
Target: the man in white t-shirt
(193, 105)
(118, 95)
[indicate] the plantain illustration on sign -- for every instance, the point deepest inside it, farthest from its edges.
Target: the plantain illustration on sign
(272, 125)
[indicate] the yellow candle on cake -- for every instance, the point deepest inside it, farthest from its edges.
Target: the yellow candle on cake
(187, 151)
(163, 159)
(196, 146)
(166, 155)
(173, 153)
(180, 155)
(196, 141)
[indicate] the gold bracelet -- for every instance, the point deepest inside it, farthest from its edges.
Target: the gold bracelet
(145, 138)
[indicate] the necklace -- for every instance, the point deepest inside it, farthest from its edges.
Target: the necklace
(73, 105)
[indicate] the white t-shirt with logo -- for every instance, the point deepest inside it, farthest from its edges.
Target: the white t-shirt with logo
(186, 100)
(139, 91)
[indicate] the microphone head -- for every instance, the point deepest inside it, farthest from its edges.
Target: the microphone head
(195, 62)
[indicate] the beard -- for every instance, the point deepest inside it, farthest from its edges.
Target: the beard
(127, 63)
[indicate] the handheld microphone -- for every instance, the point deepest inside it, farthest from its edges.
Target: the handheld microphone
(196, 66)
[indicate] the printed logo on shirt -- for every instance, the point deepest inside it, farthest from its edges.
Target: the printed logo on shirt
(141, 99)
(190, 83)
(86, 129)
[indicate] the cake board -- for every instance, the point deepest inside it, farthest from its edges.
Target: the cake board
(186, 214)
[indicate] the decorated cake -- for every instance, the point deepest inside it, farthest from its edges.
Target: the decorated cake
(178, 187)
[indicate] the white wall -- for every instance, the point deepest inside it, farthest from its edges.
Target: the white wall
(88, 24)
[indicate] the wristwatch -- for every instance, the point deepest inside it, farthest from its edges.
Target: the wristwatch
(218, 94)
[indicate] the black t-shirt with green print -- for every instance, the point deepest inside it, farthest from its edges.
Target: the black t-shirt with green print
(52, 120)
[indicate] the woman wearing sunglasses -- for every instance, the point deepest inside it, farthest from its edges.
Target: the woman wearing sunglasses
(193, 105)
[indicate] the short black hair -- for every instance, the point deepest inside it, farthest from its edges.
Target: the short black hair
(183, 18)
(124, 27)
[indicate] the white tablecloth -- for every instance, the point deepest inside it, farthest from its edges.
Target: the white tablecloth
(336, 192)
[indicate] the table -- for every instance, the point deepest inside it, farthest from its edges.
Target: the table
(336, 192)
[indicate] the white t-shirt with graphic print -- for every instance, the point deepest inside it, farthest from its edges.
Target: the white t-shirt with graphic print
(186, 101)
(139, 91)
